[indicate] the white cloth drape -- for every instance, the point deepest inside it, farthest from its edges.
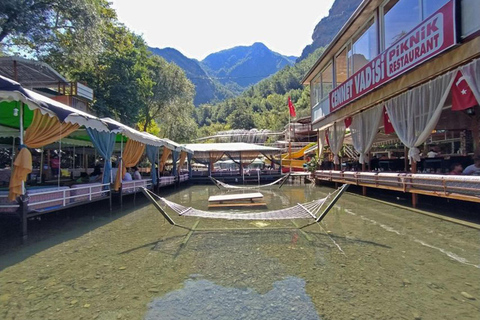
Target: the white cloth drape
(364, 128)
(322, 142)
(415, 113)
(471, 73)
(336, 134)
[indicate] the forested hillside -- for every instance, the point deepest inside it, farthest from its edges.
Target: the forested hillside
(229, 72)
(207, 89)
(264, 105)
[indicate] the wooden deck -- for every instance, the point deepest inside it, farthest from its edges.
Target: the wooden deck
(465, 188)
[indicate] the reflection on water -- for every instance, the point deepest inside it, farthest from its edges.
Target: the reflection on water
(366, 260)
(205, 300)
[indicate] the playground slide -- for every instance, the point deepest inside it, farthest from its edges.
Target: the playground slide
(299, 153)
(297, 165)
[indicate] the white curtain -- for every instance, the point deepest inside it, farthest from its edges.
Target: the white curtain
(415, 113)
(471, 73)
(322, 142)
(336, 133)
(364, 128)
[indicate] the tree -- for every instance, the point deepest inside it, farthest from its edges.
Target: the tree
(119, 76)
(170, 88)
(36, 27)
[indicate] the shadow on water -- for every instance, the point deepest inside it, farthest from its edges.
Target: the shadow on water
(57, 227)
(204, 299)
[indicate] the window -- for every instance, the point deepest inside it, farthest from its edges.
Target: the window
(430, 6)
(470, 13)
(327, 81)
(364, 47)
(316, 90)
(342, 70)
(401, 16)
(321, 85)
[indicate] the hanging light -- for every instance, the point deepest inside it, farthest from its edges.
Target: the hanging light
(15, 112)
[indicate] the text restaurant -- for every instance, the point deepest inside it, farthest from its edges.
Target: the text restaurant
(395, 99)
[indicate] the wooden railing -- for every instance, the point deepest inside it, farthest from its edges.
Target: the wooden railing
(446, 186)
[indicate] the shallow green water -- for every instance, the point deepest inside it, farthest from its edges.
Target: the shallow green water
(365, 261)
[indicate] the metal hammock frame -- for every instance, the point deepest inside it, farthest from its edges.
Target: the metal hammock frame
(219, 183)
(307, 210)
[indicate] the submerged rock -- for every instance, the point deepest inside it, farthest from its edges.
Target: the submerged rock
(468, 296)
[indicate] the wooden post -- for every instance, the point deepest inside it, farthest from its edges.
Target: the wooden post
(414, 195)
(23, 211)
(364, 189)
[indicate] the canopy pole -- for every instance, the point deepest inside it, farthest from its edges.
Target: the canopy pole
(73, 161)
(21, 138)
(59, 161)
(13, 152)
(41, 163)
(158, 166)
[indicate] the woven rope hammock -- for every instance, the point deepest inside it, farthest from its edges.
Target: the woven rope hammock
(229, 186)
(308, 210)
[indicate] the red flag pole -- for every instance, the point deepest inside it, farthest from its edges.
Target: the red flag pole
(290, 139)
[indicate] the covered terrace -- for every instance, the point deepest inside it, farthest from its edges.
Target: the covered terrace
(242, 154)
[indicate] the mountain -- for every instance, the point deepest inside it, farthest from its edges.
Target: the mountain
(206, 89)
(227, 73)
(329, 26)
(243, 66)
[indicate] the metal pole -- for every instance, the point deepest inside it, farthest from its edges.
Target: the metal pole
(59, 161)
(290, 141)
(13, 153)
(41, 164)
(21, 138)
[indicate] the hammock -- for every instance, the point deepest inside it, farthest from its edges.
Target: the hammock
(308, 210)
(229, 186)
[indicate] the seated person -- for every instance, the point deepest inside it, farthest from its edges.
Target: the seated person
(83, 178)
(96, 175)
(128, 176)
(473, 169)
(114, 171)
(432, 154)
(136, 174)
(456, 168)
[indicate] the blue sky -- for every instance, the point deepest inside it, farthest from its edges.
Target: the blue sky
(200, 27)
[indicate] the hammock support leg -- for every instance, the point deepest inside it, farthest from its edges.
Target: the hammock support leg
(214, 182)
(284, 180)
(147, 194)
(330, 205)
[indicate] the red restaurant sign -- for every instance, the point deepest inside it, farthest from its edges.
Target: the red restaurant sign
(432, 36)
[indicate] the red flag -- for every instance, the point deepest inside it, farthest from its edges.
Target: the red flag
(291, 107)
(462, 95)
(326, 138)
(348, 122)
(387, 125)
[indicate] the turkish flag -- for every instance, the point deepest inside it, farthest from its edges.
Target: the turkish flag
(387, 125)
(462, 95)
(348, 122)
(326, 138)
(291, 107)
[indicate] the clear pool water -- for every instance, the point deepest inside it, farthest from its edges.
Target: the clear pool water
(367, 260)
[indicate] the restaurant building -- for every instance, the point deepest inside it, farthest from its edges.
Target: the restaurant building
(406, 70)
